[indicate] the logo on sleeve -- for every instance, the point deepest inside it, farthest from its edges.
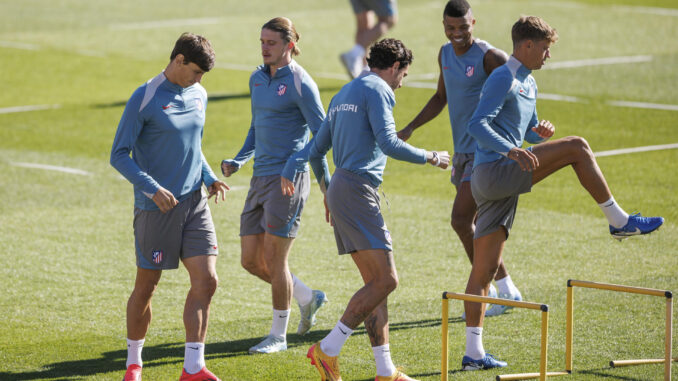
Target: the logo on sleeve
(282, 88)
(156, 256)
(166, 107)
(469, 70)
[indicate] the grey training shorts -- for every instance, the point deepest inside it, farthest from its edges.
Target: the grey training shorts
(267, 210)
(382, 8)
(496, 187)
(187, 230)
(462, 167)
(356, 214)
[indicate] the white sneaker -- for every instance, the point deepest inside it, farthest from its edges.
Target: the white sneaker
(353, 65)
(498, 309)
(309, 310)
(492, 293)
(270, 344)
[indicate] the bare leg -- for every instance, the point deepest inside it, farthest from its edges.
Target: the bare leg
(139, 303)
(463, 223)
(252, 256)
(487, 255)
(369, 31)
(276, 251)
(203, 274)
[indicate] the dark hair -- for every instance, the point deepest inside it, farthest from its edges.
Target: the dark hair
(388, 51)
(456, 8)
(532, 28)
(287, 31)
(196, 49)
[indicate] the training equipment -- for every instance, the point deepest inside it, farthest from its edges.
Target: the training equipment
(487, 362)
(327, 366)
(133, 373)
(397, 376)
(498, 309)
(492, 293)
(270, 344)
(308, 311)
(514, 303)
(628, 289)
(637, 225)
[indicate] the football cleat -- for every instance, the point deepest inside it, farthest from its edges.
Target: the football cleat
(637, 225)
(133, 373)
(309, 310)
(397, 376)
(202, 375)
(498, 309)
(487, 362)
(270, 344)
(327, 366)
(492, 293)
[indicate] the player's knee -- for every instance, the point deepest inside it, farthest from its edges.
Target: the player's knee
(251, 265)
(389, 283)
(581, 147)
(462, 223)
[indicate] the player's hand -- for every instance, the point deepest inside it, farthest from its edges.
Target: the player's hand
(526, 159)
(439, 159)
(405, 133)
(286, 186)
(327, 211)
(218, 188)
(228, 168)
(544, 129)
(165, 200)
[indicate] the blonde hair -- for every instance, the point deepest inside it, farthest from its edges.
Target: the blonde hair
(287, 31)
(532, 28)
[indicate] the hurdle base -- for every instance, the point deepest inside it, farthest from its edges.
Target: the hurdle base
(528, 376)
(620, 363)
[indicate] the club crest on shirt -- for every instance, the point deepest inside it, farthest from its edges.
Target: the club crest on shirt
(156, 256)
(198, 103)
(282, 88)
(469, 70)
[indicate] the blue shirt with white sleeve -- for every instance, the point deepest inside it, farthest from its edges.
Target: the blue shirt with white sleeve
(162, 127)
(506, 113)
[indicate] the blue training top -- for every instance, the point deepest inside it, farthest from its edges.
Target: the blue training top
(506, 112)
(464, 77)
(284, 108)
(360, 127)
(162, 126)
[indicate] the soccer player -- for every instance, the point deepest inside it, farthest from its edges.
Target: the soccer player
(373, 19)
(286, 106)
(162, 126)
(360, 128)
(465, 62)
(505, 117)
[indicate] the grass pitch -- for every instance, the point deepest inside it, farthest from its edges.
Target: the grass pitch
(67, 245)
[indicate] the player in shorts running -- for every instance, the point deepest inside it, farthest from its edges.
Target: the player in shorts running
(465, 63)
(286, 107)
(162, 127)
(361, 130)
(505, 117)
(373, 19)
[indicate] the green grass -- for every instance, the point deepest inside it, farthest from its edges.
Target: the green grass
(66, 240)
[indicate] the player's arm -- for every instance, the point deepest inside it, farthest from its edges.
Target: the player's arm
(312, 108)
(313, 152)
(432, 108)
(230, 166)
(492, 99)
(492, 59)
(214, 186)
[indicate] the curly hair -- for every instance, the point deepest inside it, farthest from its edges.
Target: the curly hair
(388, 51)
(196, 49)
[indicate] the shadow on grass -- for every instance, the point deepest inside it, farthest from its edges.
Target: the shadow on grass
(602, 372)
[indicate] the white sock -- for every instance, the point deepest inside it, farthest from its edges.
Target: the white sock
(382, 356)
(357, 52)
(333, 342)
(194, 357)
(134, 348)
(301, 292)
(505, 285)
(279, 326)
(474, 343)
(616, 216)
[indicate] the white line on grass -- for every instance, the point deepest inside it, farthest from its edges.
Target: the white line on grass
(167, 23)
(596, 62)
(73, 171)
(635, 150)
(9, 110)
(19, 45)
(656, 106)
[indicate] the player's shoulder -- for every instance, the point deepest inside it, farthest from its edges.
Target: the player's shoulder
(145, 93)
(302, 80)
